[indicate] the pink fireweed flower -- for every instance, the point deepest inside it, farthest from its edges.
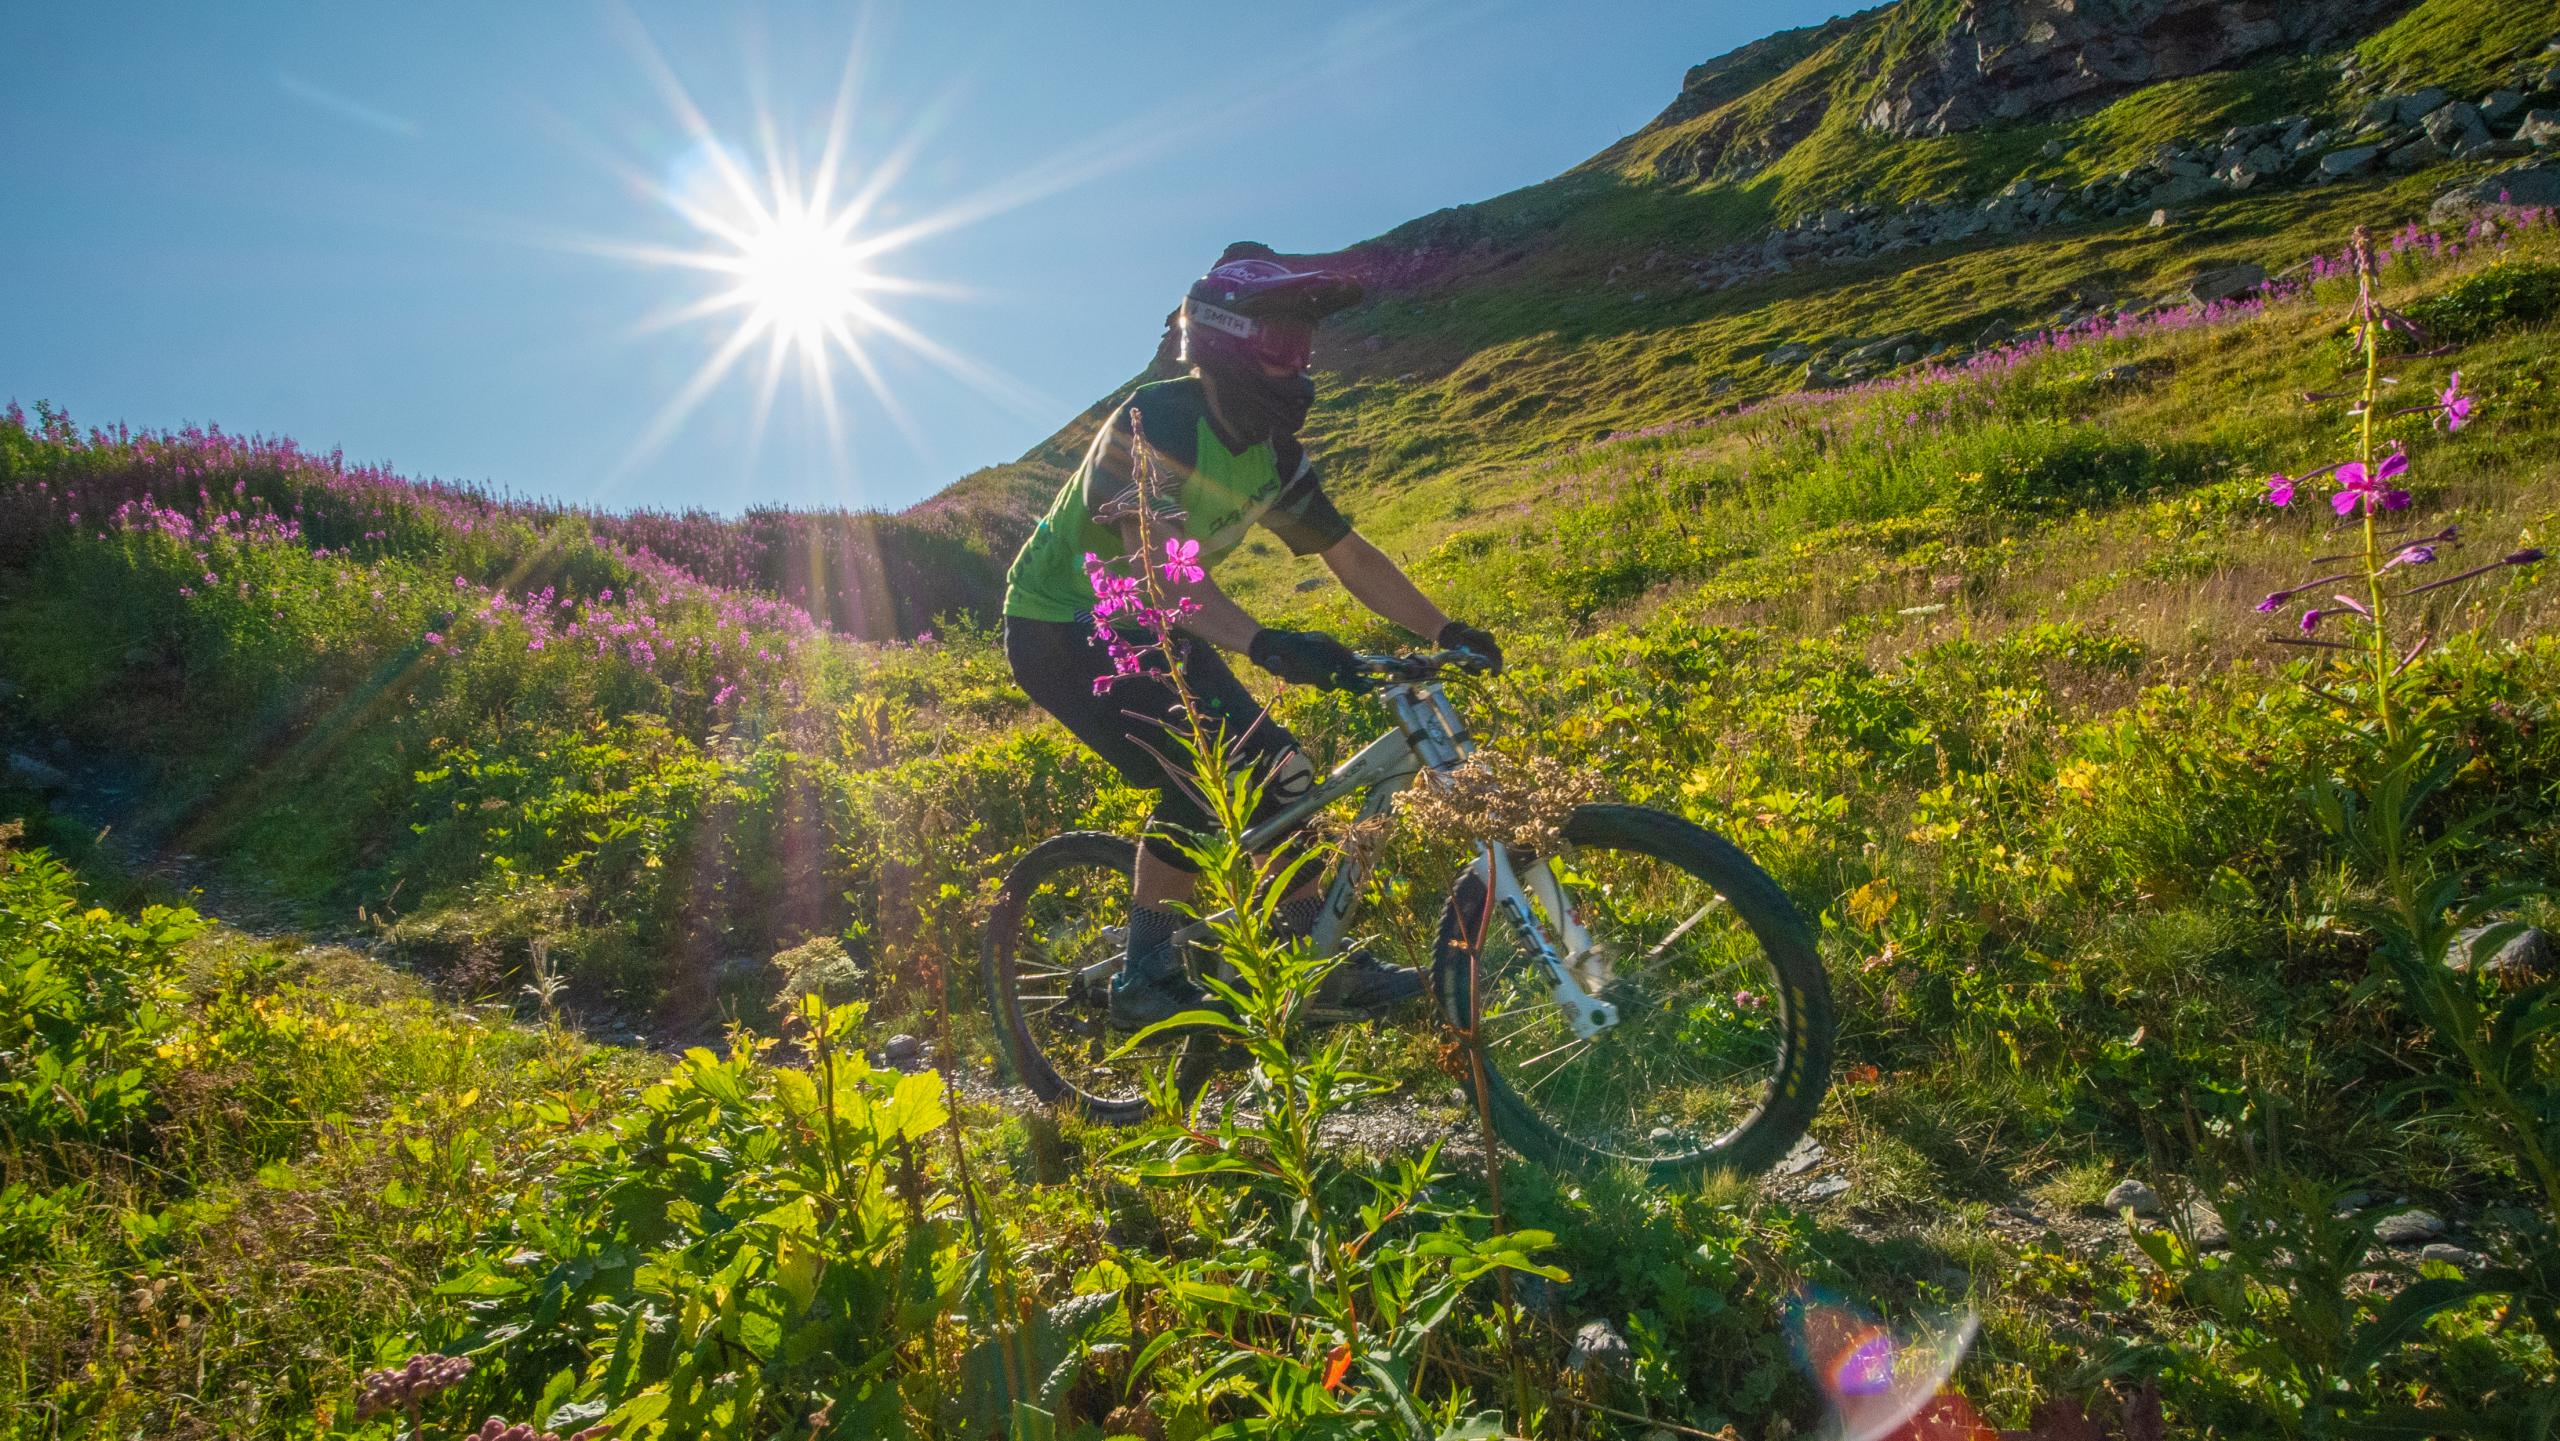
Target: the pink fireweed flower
(434, 639)
(2279, 490)
(2370, 488)
(1182, 561)
(2412, 555)
(2310, 621)
(534, 644)
(2455, 406)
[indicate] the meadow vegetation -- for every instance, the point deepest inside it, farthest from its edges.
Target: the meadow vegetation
(1969, 659)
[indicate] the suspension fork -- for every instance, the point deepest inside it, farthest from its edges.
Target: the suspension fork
(1513, 888)
(1441, 740)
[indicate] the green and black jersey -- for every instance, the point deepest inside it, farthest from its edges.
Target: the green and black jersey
(1218, 494)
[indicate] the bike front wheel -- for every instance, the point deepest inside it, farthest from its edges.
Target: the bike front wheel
(1721, 1051)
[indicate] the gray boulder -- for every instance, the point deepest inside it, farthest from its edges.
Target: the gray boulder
(2417, 105)
(2204, 1223)
(1876, 350)
(2183, 189)
(2525, 185)
(2540, 128)
(1794, 352)
(2459, 1259)
(2457, 126)
(2228, 283)
(1599, 1347)
(2416, 152)
(2353, 160)
(2499, 106)
(2522, 958)
(2131, 1195)
(2409, 1228)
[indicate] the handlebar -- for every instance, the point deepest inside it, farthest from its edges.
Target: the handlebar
(1422, 665)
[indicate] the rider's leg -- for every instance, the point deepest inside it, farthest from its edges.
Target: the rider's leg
(1157, 894)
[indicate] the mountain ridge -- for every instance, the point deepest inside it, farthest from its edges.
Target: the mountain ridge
(1775, 184)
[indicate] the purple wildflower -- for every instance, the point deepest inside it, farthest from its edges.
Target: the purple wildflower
(2370, 487)
(2456, 405)
(2279, 490)
(1182, 561)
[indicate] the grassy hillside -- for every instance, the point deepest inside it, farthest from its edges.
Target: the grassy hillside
(1986, 656)
(1968, 658)
(1570, 310)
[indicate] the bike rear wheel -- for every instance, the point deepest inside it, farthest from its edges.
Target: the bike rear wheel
(1058, 922)
(1722, 1050)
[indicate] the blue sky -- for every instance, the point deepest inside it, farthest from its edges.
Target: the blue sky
(410, 232)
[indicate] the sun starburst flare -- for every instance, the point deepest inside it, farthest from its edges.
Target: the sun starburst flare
(795, 253)
(796, 276)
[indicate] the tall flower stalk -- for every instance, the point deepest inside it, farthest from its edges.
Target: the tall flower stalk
(2492, 1085)
(2368, 488)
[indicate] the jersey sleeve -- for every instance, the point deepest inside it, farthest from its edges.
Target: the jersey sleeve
(1303, 516)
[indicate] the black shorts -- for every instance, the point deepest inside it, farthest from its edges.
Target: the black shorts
(1138, 726)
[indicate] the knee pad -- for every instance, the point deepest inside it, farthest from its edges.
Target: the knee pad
(1288, 778)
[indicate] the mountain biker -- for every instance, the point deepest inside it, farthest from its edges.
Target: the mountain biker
(1226, 437)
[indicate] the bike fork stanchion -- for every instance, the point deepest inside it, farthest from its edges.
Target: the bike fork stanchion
(1589, 1014)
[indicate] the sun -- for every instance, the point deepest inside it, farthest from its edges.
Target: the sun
(790, 232)
(799, 279)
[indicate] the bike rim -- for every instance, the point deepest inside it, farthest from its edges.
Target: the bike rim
(1073, 921)
(1702, 1015)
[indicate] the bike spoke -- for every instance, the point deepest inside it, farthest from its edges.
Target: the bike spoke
(1695, 1046)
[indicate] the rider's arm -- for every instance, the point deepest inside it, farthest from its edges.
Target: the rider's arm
(1382, 586)
(1219, 621)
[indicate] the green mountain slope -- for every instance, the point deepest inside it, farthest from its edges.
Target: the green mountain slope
(1630, 292)
(1972, 648)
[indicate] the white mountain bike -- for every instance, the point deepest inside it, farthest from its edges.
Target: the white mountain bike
(1646, 996)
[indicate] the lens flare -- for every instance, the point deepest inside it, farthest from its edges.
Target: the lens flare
(1880, 1382)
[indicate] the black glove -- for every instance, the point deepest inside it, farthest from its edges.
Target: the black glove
(1307, 657)
(1458, 635)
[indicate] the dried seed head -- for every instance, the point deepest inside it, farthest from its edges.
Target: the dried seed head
(400, 1387)
(1522, 803)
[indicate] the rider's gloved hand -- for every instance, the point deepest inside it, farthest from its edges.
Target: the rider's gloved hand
(1307, 657)
(1458, 635)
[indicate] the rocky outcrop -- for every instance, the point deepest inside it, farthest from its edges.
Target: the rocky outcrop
(2014, 59)
(2390, 132)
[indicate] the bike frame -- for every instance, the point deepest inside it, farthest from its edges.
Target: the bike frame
(1429, 735)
